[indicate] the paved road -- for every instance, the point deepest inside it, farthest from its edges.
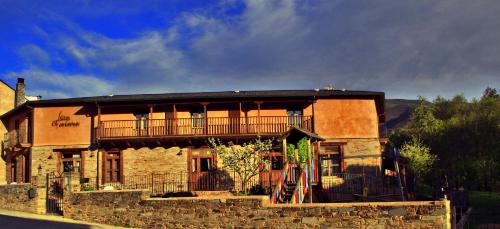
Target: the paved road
(8, 222)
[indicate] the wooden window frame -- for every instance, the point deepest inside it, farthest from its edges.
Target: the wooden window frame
(105, 157)
(340, 155)
(197, 119)
(61, 160)
(274, 155)
(198, 157)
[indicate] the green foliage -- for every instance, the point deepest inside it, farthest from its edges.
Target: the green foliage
(245, 160)
(302, 147)
(290, 152)
(463, 134)
(419, 156)
(87, 187)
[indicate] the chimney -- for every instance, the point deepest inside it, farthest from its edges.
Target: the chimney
(20, 92)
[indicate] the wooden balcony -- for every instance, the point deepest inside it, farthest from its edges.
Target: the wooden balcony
(216, 126)
(16, 139)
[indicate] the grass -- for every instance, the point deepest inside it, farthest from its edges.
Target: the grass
(485, 208)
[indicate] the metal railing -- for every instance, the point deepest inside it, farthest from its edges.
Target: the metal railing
(178, 182)
(201, 126)
(343, 187)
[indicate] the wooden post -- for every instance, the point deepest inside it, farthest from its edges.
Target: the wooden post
(174, 123)
(205, 119)
(239, 120)
(312, 118)
(258, 117)
(98, 121)
(310, 170)
(285, 153)
(149, 121)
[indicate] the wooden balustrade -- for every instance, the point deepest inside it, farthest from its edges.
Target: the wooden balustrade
(16, 138)
(197, 126)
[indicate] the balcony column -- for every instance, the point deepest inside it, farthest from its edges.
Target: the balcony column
(258, 116)
(205, 118)
(98, 121)
(174, 123)
(312, 118)
(149, 121)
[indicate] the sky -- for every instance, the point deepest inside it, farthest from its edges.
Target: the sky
(403, 48)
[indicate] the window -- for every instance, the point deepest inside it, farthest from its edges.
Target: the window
(141, 120)
(294, 117)
(276, 162)
(198, 119)
(330, 159)
(71, 162)
(113, 167)
(202, 163)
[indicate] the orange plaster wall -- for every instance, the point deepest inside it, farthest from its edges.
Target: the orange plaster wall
(274, 112)
(346, 118)
(46, 134)
(308, 111)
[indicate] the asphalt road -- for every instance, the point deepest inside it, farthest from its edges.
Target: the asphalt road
(7, 222)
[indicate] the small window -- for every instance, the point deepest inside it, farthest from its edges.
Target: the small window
(71, 162)
(294, 117)
(141, 120)
(276, 162)
(205, 164)
(198, 119)
(331, 160)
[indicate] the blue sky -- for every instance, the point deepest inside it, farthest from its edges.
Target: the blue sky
(87, 48)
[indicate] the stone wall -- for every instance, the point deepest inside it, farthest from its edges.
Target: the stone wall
(361, 155)
(145, 160)
(15, 197)
(134, 209)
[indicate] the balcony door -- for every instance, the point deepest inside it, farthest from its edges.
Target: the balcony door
(295, 117)
(234, 122)
(141, 123)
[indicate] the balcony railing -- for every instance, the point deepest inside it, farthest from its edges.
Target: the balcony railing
(201, 126)
(15, 138)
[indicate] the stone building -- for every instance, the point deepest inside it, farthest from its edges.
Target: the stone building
(113, 138)
(6, 104)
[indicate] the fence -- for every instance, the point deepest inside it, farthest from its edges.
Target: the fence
(179, 182)
(343, 187)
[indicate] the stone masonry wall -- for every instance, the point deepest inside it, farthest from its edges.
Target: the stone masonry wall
(15, 197)
(134, 209)
(145, 160)
(361, 155)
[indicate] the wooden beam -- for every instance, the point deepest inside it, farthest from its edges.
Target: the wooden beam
(150, 117)
(205, 118)
(98, 121)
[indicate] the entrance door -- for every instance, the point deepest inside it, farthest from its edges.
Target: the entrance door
(202, 173)
(276, 166)
(234, 122)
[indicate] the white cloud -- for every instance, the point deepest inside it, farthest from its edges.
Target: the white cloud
(51, 84)
(33, 54)
(403, 48)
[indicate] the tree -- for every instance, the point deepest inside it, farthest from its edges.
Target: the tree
(420, 159)
(463, 134)
(245, 160)
(490, 92)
